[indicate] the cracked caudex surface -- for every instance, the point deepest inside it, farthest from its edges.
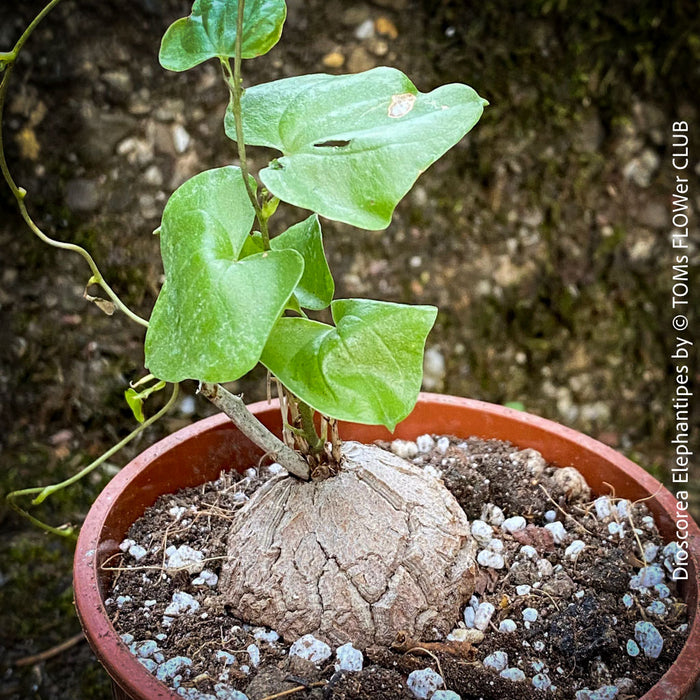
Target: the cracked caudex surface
(379, 548)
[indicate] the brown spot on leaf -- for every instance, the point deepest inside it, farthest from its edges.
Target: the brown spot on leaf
(401, 105)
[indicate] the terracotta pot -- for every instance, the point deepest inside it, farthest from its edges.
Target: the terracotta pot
(199, 452)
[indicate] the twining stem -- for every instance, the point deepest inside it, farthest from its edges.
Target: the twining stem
(234, 82)
(41, 493)
(252, 428)
(8, 61)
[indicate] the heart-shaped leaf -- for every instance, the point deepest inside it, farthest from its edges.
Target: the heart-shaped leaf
(366, 369)
(210, 32)
(215, 311)
(353, 145)
(316, 287)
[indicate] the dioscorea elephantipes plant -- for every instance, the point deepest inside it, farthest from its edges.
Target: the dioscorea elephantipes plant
(237, 292)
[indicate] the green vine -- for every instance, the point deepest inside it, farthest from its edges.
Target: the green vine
(41, 493)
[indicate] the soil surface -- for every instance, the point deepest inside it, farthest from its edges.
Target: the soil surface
(543, 237)
(568, 587)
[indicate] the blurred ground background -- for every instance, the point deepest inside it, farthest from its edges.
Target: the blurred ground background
(544, 236)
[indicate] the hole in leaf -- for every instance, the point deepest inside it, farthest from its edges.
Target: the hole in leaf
(332, 144)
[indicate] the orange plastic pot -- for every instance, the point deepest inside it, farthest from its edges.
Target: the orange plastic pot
(198, 453)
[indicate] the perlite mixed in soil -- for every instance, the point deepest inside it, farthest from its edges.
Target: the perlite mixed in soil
(564, 595)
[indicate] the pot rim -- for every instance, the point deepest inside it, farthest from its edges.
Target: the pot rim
(133, 678)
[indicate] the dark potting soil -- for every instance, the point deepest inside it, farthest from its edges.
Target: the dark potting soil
(574, 597)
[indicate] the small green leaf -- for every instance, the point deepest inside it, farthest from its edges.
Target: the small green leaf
(210, 32)
(135, 398)
(135, 404)
(316, 287)
(367, 369)
(215, 311)
(353, 145)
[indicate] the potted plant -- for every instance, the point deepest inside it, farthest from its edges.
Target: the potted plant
(234, 296)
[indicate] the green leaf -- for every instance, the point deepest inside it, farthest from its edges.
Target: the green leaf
(366, 369)
(135, 404)
(316, 287)
(135, 398)
(210, 32)
(353, 145)
(215, 311)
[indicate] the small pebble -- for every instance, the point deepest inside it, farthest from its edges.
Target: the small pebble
(443, 444)
(541, 681)
(122, 599)
(648, 522)
(538, 646)
(649, 639)
(602, 507)
(662, 590)
(127, 638)
(497, 661)
(648, 577)
(254, 654)
(507, 626)
(184, 557)
(558, 531)
(523, 589)
(616, 529)
(172, 667)
(472, 636)
(574, 549)
(149, 664)
(492, 514)
(348, 658)
(490, 559)
(495, 545)
(623, 508)
(181, 603)
(365, 30)
(482, 532)
(404, 448)
(424, 682)
(483, 616)
(206, 578)
(469, 616)
(605, 692)
(145, 649)
(514, 524)
(224, 692)
(528, 551)
(425, 443)
(530, 614)
(137, 551)
(550, 516)
(512, 674)
(650, 551)
(627, 600)
(310, 649)
(181, 139)
(445, 695)
(657, 608)
(224, 656)
(263, 635)
(544, 568)
(632, 648)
